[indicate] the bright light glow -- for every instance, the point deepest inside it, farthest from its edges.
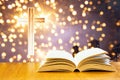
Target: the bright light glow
(69, 18)
(82, 6)
(19, 57)
(66, 24)
(74, 13)
(3, 55)
(60, 41)
(60, 10)
(84, 14)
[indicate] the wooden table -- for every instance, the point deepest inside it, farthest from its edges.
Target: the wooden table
(28, 71)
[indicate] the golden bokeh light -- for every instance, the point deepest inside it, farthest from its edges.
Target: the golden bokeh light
(66, 24)
(3, 55)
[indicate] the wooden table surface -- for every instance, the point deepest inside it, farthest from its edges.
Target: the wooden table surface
(28, 71)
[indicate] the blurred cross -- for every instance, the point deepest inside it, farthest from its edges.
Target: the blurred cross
(31, 21)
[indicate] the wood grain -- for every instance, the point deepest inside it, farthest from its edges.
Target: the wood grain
(28, 71)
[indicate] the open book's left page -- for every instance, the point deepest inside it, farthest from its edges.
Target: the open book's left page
(58, 60)
(59, 54)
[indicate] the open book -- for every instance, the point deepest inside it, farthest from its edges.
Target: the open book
(90, 59)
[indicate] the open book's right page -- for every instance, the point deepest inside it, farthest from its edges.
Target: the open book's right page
(87, 53)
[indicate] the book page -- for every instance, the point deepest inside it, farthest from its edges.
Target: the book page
(60, 54)
(101, 57)
(87, 53)
(93, 66)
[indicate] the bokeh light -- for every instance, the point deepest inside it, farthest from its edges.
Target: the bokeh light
(76, 22)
